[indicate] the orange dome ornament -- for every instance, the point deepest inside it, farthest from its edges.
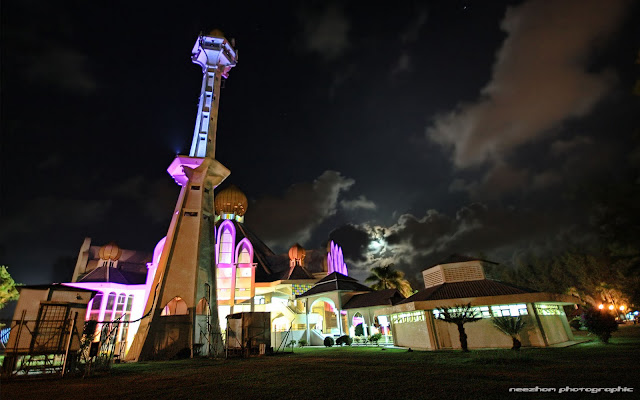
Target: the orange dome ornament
(110, 251)
(231, 201)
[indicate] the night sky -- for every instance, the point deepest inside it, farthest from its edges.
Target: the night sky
(405, 133)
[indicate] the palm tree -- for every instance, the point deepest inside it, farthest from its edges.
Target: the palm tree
(511, 326)
(459, 315)
(388, 278)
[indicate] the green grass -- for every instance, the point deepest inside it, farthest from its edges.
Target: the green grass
(362, 372)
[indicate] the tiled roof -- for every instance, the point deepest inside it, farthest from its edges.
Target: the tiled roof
(460, 290)
(457, 258)
(387, 297)
(115, 276)
(336, 281)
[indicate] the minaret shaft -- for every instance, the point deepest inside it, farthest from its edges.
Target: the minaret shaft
(184, 285)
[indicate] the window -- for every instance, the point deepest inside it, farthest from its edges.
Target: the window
(108, 311)
(126, 317)
(510, 310)
(176, 306)
(203, 307)
(94, 312)
(226, 247)
(259, 300)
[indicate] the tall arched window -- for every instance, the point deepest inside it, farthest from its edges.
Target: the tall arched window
(176, 306)
(108, 311)
(126, 318)
(226, 248)
(244, 252)
(226, 239)
(96, 303)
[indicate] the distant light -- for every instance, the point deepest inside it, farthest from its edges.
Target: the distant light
(635, 313)
(622, 308)
(611, 307)
(601, 306)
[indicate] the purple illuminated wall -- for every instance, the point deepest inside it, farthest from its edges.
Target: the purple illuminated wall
(335, 260)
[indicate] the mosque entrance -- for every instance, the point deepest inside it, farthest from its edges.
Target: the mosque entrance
(324, 317)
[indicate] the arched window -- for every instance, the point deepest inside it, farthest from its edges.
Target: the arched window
(126, 317)
(108, 311)
(176, 306)
(96, 303)
(244, 252)
(226, 239)
(203, 307)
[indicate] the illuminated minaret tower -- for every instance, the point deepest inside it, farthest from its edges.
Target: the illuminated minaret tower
(182, 308)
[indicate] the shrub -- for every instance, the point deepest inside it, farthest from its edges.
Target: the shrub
(576, 323)
(375, 338)
(292, 343)
(302, 343)
(344, 339)
(328, 341)
(600, 323)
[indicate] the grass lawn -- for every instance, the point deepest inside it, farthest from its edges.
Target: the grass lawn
(363, 373)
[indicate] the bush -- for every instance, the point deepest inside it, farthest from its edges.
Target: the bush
(375, 338)
(292, 343)
(600, 323)
(302, 343)
(328, 341)
(576, 323)
(344, 339)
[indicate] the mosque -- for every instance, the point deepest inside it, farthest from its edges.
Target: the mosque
(210, 266)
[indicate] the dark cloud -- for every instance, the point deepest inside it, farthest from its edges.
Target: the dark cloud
(354, 242)
(541, 78)
(62, 67)
(325, 31)
(155, 197)
(290, 218)
(48, 213)
(415, 243)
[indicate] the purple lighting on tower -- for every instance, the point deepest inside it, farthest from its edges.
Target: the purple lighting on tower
(335, 260)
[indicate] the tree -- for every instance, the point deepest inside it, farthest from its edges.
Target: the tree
(8, 291)
(459, 315)
(511, 326)
(600, 323)
(388, 278)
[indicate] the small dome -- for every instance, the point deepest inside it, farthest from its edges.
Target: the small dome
(231, 201)
(216, 33)
(110, 251)
(297, 252)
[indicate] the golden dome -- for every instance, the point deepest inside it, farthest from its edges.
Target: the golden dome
(110, 251)
(297, 252)
(231, 201)
(216, 33)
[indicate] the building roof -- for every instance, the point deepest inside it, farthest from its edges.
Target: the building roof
(461, 290)
(54, 286)
(387, 297)
(116, 275)
(271, 266)
(336, 281)
(458, 258)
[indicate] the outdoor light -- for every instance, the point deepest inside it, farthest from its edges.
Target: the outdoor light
(601, 306)
(622, 308)
(611, 307)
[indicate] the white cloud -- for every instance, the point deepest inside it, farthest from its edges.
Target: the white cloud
(360, 202)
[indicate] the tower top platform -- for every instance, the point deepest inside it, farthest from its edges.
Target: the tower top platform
(211, 50)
